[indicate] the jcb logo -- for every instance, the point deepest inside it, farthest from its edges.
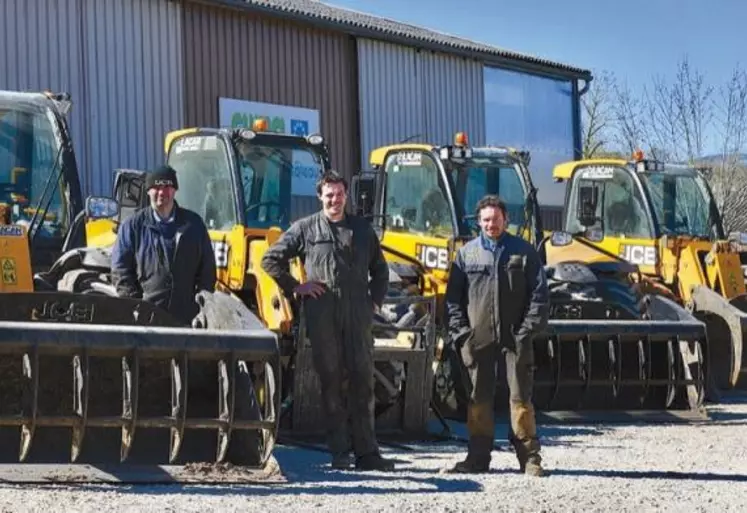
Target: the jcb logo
(639, 255)
(433, 257)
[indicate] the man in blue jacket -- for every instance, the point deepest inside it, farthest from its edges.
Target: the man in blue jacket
(496, 301)
(163, 252)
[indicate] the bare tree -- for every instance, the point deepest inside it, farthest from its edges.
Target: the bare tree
(728, 177)
(671, 120)
(628, 126)
(597, 116)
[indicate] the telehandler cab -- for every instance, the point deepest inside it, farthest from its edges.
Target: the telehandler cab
(608, 345)
(662, 217)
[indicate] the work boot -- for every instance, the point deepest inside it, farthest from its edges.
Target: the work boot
(374, 461)
(342, 461)
(523, 437)
(528, 455)
(478, 457)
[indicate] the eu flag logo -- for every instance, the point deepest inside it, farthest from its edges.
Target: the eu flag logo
(299, 127)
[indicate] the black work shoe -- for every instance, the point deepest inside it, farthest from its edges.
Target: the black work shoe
(374, 461)
(342, 462)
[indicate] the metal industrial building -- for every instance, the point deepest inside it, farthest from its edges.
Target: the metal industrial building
(139, 68)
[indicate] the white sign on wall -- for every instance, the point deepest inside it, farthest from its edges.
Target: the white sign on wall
(285, 119)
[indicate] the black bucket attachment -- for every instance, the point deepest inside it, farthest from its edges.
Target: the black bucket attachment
(129, 392)
(726, 320)
(603, 365)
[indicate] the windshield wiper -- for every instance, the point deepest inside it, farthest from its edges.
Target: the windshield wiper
(34, 230)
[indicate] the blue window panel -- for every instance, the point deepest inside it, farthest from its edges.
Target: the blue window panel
(536, 114)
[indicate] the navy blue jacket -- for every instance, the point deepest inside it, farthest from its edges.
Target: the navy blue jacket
(141, 269)
(497, 296)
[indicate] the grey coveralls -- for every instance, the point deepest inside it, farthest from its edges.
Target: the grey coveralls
(339, 322)
(496, 301)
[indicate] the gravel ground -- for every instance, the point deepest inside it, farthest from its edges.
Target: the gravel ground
(696, 467)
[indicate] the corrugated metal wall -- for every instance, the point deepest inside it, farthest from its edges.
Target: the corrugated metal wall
(41, 49)
(121, 62)
(135, 82)
(405, 93)
(236, 55)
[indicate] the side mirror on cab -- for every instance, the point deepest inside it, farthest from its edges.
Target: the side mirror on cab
(588, 198)
(101, 207)
(363, 192)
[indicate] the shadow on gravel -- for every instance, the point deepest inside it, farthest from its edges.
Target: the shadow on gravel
(732, 417)
(308, 473)
(651, 474)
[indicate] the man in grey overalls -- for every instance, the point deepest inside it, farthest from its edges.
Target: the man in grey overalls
(339, 252)
(496, 301)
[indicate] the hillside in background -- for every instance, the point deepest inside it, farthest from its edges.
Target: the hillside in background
(716, 158)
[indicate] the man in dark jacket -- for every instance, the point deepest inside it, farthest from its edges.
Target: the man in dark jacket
(163, 252)
(497, 300)
(339, 252)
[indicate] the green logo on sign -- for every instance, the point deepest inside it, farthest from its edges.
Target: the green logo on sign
(245, 120)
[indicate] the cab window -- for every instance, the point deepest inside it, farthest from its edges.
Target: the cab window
(205, 186)
(28, 150)
(478, 179)
(415, 197)
(620, 204)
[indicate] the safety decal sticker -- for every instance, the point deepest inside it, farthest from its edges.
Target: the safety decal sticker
(409, 158)
(598, 173)
(11, 230)
(432, 257)
(8, 266)
(189, 143)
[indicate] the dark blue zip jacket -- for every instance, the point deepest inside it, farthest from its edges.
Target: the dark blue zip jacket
(141, 267)
(497, 295)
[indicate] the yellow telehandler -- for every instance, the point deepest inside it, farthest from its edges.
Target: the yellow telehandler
(95, 387)
(609, 346)
(248, 185)
(662, 217)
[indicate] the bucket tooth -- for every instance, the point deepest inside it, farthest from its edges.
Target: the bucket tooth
(270, 386)
(270, 412)
(80, 403)
(130, 380)
(226, 395)
(585, 359)
(614, 354)
(692, 369)
(553, 351)
(178, 404)
(671, 374)
(644, 367)
(30, 400)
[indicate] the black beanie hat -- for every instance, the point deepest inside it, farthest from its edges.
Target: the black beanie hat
(164, 175)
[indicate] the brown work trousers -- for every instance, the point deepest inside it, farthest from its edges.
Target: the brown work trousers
(483, 373)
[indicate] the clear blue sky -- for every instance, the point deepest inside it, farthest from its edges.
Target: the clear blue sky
(632, 37)
(635, 39)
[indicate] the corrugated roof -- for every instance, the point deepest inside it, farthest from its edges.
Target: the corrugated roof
(354, 21)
